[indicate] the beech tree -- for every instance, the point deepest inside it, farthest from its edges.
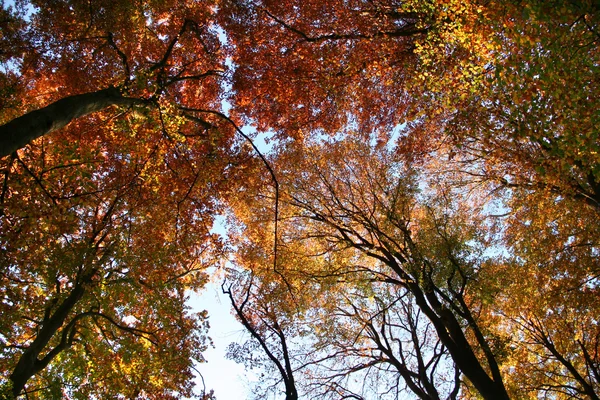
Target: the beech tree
(363, 204)
(106, 222)
(271, 332)
(528, 123)
(74, 59)
(98, 253)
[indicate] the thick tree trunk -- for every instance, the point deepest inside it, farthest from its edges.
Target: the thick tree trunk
(453, 337)
(22, 130)
(451, 334)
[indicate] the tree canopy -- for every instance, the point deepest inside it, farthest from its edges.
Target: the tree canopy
(421, 227)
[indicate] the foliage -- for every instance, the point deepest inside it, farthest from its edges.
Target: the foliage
(423, 225)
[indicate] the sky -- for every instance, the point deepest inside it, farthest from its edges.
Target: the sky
(228, 379)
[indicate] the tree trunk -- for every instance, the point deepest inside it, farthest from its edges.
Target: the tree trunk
(452, 336)
(29, 363)
(20, 131)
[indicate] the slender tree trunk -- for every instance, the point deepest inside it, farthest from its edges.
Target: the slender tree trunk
(20, 131)
(29, 363)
